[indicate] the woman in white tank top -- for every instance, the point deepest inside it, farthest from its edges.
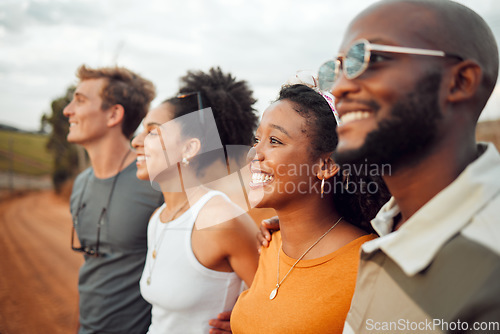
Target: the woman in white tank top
(201, 246)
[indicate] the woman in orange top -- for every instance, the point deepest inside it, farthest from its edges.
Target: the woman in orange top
(306, 278)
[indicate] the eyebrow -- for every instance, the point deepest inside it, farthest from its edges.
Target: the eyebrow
(382, 41)
(277, 127)
(377, 41)
(153, 124)
(80, 94)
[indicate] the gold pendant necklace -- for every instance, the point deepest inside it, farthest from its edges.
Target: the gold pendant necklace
(157, 245)
(278, 282)
(155, 252)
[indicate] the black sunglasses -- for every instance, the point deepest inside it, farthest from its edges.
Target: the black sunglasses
(200, 104)
(89, 250)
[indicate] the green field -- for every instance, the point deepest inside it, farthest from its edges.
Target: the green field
(25, 153)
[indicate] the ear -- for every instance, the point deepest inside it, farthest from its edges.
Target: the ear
(327, 168)
(466, 78)
(116, 114)
(191, 148)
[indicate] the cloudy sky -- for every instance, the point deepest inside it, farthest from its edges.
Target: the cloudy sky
(42, 42)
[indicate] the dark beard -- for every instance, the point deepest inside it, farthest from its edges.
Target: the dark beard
(404, 138)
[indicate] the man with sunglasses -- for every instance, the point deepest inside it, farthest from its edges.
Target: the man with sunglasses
(110, 206)
(410, 82)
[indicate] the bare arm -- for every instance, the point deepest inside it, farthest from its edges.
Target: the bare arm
(229, 243)
(242, 248)
(238, 239)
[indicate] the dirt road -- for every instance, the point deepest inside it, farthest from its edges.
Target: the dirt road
(38, 270)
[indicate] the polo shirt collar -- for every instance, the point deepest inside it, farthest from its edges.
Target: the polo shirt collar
(415, 244)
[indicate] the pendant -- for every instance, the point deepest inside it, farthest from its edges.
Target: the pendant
(154, 253)
(273, 293)
(148, 281)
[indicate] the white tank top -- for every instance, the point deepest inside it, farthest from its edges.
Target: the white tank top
(183, 293)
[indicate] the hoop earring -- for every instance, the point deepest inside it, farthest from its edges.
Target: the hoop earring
(322, 186)
(185, 162)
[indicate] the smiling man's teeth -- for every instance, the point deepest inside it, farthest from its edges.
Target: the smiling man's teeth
(72, 124)
(354, 116)
(260, 177)
(141, 158)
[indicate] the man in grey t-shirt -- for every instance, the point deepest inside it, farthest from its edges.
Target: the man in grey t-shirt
(109, 205)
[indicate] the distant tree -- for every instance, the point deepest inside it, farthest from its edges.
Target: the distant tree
(68, 158)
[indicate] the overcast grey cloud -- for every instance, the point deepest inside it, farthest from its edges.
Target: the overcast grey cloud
(42, 42)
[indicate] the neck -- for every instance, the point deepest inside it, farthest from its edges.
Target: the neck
(106, 156)
(302, 224)
(414, 186)
(180, 202)
(175, 200)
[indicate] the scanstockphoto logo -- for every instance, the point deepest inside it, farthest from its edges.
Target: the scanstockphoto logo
(351, 179)
(187, 154)
(431, 325)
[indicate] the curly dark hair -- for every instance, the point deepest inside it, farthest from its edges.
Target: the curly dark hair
(122, 87)
(359, 205)
(231, 102)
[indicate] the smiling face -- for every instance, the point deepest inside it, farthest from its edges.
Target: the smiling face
(391, 112)
(87, 121)
(283, 166)
(158, 146)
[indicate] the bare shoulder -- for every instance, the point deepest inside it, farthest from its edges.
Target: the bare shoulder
(228, 227)
(223, 239)
(220, 213)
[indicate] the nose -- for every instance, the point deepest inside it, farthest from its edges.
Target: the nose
(68, 110)
(343, 87)
(256, 153)
(138, 141)
(251, 154)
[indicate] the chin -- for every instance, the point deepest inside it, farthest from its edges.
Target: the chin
(142, 175)
(71, 140)
(351, 142)
(347, 154)
(343, 147)
(257, 199)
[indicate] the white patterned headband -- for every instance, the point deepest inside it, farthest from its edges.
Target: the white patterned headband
(306, 78)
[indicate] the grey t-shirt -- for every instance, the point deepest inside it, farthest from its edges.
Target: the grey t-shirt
(110, 299)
